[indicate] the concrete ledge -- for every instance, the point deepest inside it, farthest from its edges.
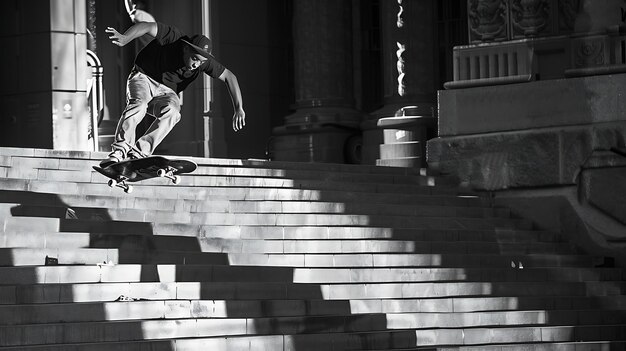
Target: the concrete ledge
(540, 104)
(480, 82)
(539, 157)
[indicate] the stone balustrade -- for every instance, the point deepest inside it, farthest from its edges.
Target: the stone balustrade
(525, 60)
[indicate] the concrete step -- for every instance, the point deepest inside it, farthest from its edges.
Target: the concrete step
(46, 169)
(114, 331)
(272, 170)
(247, 214)
(127, 330)
(103, 292)
(373, 340)
(341, 202)
(364, 208)
(175, 235)
(46, 172)
(224, 273)
(598, 307)
(204, 223)
(169, 309)
(331, 341)
(480, 304)
(62, 189)
(542, 346)
(561, 346)
(88, 208)
(36, 240)
(518, 335)
(92, 256)
(62, 157)
(504, 319)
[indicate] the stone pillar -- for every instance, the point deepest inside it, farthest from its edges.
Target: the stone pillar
(397, 133)
(45, 59)
(325, 117)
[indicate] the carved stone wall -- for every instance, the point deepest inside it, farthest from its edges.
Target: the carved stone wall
(590, 51)
(532, 18)
(487, 20)
(498, 20)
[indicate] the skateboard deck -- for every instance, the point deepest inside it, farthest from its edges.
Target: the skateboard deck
(131, 171)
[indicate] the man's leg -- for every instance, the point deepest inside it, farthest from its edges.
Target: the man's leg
(139, 90)
(166, 109)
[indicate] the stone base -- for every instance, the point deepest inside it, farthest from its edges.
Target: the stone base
(315, 144)
(534, 158)
(396, 141)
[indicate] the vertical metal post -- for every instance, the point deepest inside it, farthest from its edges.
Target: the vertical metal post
(207, 91)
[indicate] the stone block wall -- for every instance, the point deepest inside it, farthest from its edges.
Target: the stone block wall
(527, 135)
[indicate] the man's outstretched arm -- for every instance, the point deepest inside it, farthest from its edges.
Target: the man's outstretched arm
(239, 117)
(132, 33)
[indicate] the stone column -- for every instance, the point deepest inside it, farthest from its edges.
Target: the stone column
(44, 59)
(397, 133)
(325, 117)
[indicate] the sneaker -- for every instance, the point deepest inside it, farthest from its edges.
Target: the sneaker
(114, 157)
(136, 154)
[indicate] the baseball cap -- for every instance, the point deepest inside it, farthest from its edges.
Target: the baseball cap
(200, 44)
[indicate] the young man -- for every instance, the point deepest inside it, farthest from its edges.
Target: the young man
(164, 68)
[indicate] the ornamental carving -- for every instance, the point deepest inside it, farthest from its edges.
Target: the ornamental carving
(530, 18)
(590, 53)
(487, 20)
(400, 53)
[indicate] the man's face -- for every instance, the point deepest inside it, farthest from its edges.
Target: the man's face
(192, 59)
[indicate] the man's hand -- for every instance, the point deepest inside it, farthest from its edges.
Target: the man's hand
(116, 37)
(134, 32)
(239, 120)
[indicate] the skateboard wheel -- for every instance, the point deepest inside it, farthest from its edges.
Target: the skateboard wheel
(112, 183)
(176, 180)
(161, 173)
(129, 189)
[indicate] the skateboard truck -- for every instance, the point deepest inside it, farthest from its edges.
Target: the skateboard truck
(169, 174)
(121, 183)
(130, 171)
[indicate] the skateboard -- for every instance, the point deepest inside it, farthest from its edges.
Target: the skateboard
(130, 171)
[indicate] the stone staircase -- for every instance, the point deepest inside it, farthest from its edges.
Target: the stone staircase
(257, 255)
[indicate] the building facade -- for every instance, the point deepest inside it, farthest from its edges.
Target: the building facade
(325, 81)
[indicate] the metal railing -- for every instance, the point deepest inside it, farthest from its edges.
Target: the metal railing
(95, 97)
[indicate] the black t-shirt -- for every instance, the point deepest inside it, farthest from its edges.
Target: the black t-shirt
(162, 60)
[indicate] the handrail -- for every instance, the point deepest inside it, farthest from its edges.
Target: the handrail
(95, 96)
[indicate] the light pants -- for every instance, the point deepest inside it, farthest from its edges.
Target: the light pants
(145, 95)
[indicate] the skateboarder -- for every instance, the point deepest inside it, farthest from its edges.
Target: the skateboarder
(162, 69)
